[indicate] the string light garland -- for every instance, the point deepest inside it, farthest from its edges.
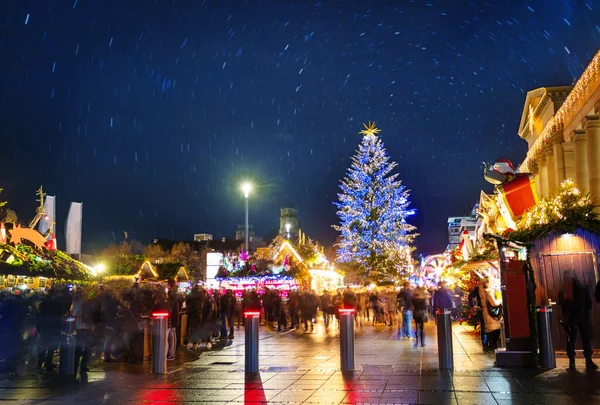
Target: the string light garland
(587, 84)
(565, 211)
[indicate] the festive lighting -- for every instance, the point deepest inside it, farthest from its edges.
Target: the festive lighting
(373, 209)
(588, 83)
(568, 203)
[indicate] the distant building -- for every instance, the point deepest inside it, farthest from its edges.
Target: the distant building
(240, 232)
(199, 237)
(288, 222)
(457, 225)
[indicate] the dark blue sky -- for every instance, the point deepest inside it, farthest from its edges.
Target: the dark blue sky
(152, 112)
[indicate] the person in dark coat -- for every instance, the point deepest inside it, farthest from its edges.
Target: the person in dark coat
(308, 307)
(442, 299)
(419, 305)
(173, 306)
(193, 303)
(227, 313)
(576, 305)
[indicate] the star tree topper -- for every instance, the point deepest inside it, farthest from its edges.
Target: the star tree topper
(370, 129)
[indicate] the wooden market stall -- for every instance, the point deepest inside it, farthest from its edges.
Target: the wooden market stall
(551, 256)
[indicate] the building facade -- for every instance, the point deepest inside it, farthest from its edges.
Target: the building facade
(562, 128)
(240, 233)
(288, 222)
(199, 237)
(457, 225)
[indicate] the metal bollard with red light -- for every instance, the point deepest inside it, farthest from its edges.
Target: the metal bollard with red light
(160, 321)
(347, 338)
(252, 319)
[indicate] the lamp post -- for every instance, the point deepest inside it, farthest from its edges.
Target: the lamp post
(246, 187)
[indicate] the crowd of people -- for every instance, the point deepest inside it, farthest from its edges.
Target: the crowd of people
(109, 322)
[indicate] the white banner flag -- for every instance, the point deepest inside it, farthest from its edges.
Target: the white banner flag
(50, 208)
(73, 229)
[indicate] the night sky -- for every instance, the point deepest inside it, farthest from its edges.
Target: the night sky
(152, 112)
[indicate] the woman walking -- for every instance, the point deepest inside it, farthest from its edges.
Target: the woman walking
(420, 308)
(491, 315)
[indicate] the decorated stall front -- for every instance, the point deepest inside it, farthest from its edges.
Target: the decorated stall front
(28, 265)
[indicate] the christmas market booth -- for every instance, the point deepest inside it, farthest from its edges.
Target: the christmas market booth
(552, 255)
(158, 272)
(27, 266)
(563, 232)
(280, 270)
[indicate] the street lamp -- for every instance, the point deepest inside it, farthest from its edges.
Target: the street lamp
(246, 188)
(287, 229)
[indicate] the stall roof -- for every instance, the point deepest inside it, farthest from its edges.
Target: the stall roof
(482, 265)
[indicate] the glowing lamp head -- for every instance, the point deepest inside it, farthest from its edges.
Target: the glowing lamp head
(246, 188)
(100, 268)
(287, 228)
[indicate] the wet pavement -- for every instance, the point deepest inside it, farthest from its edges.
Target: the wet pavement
(304, 368)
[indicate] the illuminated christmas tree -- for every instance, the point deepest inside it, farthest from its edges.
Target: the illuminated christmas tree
(373, 211)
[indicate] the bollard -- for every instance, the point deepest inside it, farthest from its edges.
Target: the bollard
(444, 332)
(347, 338)
(544, 323)
(159, 342)
(251, 319)
(67, 347)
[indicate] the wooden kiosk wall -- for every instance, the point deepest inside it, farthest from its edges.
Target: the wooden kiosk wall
(551, 256)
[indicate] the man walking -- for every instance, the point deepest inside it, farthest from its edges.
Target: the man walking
(576, 304)
(227, 313)
(173, 306)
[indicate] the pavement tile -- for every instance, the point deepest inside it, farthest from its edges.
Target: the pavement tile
(475, 398)
(437, 398)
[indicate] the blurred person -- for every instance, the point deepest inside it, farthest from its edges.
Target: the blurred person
(442, 298)
(325, 305)
(227, 313)
(576, 304)
(82, 310)
(420, 309)
(491, 321)
(475, 302)
(174, 307)
(308, 308)
(404, 300)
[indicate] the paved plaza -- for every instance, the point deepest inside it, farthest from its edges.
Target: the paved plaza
(304, 368)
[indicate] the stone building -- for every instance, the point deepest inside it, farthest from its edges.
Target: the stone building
(562, 130)
(288, 222)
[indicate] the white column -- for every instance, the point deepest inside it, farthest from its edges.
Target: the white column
(559, 163)
(551, 173)
(569, 160)
(592, 135)
(581, 166)
(543, 170)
